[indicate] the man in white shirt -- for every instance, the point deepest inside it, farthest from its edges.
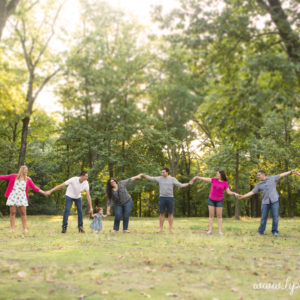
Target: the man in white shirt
(75, 186)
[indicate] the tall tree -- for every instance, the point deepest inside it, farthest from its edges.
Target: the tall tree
(34, 38)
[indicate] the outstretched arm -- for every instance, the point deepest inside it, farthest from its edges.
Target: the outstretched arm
(145, 176)
(89, 199)
(246, 195)
(108, 210)
(185, 184)
(206, 179)
(229, 192)
(60, 186)
(296, 172)
(286, 174)
(35, 188)
(136, 177)
(109, 203)
(43, 192)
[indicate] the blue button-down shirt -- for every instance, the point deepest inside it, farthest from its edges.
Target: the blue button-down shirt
(268, 188)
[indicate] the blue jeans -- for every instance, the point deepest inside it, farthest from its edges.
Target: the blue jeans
(264, 216)
(122, 211)
(68, 205)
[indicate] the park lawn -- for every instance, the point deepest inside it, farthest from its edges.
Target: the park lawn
(188, 264)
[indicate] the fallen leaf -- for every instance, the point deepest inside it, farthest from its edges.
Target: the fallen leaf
(99, 281)
(172, 294)
(21, 274)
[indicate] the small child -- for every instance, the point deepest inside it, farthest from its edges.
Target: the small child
(96, 225)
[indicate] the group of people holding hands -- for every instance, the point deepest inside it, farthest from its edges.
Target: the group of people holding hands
(118, 196)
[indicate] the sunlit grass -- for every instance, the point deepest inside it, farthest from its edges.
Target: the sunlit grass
(188, 264)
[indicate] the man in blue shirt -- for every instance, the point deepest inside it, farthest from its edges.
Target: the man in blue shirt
(267, 186)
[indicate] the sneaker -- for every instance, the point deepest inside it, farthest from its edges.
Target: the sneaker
(126, 231)
(80, 229)
(12, 230)
(275, 234)
(25, 230)
(208, 232)
(64, 229)
(221, 233)
(258, 233)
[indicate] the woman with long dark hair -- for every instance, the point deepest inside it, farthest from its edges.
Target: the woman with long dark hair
(17, 195)
(215, 199)
(118, 196)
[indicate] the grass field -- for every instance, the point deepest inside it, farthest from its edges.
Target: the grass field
(186, 264)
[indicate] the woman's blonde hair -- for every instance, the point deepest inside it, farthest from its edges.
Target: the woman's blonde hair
(21, 172)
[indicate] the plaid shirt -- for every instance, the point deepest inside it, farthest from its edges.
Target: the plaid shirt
(121, 196)
(268, 189)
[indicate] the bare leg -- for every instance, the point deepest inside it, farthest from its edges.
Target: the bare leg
(211, 211)
(23, 217)
(170, 218)
(12, 216)
(219, 216)
(161, 222)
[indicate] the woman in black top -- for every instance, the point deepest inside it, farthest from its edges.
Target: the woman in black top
(118, 196)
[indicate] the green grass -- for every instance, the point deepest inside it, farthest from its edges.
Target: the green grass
(188, 264)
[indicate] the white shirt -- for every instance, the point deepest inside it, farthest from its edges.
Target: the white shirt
(75, 187)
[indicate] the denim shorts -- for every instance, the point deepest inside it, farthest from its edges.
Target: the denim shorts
(166, 202)
(215, 203)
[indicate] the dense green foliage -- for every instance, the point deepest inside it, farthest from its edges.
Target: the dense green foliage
(215, 91)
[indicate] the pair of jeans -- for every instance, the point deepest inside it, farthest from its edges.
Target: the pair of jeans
(68, 205)
(122, 211)
(264, 216)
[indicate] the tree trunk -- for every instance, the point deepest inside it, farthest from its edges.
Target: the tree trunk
(87, 119)
(14, 139)
(252, 199)
(257, 206)
(140, 205)
(229, 212)
(22, 154)
(237, 212)
(289, 194)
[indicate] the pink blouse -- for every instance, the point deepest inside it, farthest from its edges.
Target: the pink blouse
(217, 189)
(12, 178)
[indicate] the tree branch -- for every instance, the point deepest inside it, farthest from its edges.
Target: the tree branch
(11, 7)
(50, 36)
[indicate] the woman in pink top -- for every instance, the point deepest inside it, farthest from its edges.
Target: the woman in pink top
(17, 195)
(215, 199)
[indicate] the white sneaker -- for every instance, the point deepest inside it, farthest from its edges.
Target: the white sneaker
(12, 230)
(208, 232)
(221, 233)
(25, 230)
